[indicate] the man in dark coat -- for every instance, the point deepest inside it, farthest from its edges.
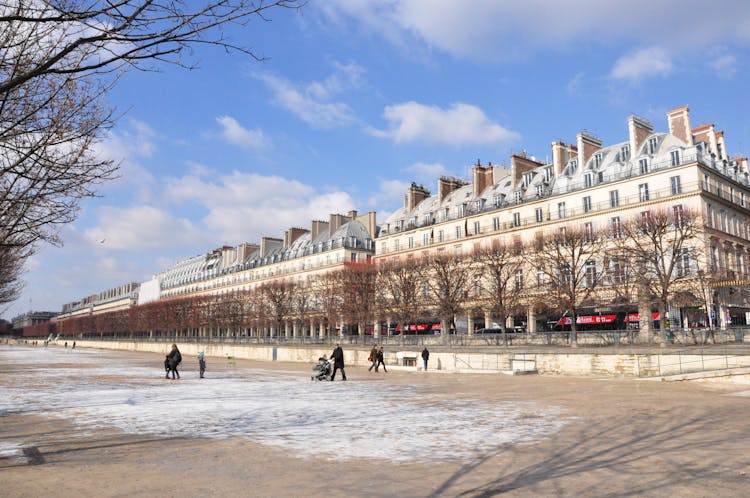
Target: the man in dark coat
(338, 362)
(425, 357)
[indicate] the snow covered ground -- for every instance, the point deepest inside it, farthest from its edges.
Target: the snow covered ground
(397, 421)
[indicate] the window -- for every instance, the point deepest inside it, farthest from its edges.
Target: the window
(588, 180)
(742, 199)
(516, 219)
(496, 223)
(441, 235)
(616, 274)
(461, 210)
(561, 210)
(498, 200)
(587, 204)
(384, 247)
(548, 173)
(527, 177)
(614, 198)
(539, 190)
(518, 196)
(476, 228)
(411, 242)
(588, 231)
(519, 280)
(643, 192)
(678, 215)
(615, 227)
(590, 272)
(643, 165)
(540, 277)
(396, 245)
(652, 145)
(719, 189)
(706, 182)
(710, 215)
(675, 157)
(539, 215)
(597, 160)
(675, 185)
(624, 153)
(425, 239)
(715, 260)
(573, 166)
(723, 216)
(459, 232)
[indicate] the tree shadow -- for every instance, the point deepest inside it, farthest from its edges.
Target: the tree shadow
(603, 446)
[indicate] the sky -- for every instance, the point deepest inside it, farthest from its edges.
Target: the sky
(355, 99)
(97, 389)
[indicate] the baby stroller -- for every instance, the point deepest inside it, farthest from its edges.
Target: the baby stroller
(322, 369)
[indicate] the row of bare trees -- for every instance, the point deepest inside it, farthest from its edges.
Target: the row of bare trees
(645, 259)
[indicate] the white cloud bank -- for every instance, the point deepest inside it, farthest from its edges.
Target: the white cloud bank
(236, 134)
(461, 124)
(644, 63)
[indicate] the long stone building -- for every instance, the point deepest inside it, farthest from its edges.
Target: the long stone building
(596, 187)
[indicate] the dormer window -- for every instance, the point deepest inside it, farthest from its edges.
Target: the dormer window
(597, 160)
(498, 200)
(588, 180)
(624, 152)
(652, 145)
(517, 196)
(548, 173)
(572, 166)
(539, 190)
(527, 179)
(643, 165)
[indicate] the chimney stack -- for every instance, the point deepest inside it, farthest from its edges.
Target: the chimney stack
(587, 146)
(561, 154)
(638, 130)
(678, 120)
(415, 195)
(317, 228)
(482, 176)
(293, 234)
(447, 185)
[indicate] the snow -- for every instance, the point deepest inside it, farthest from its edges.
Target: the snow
(340, 420)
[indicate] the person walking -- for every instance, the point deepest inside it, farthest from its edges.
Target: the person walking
(201, 364)
(380, 357)
(175, 358)
(425, 357)
(338, 362)
(373, 357)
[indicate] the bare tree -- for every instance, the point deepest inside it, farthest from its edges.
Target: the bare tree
(279, 297)
(11, 259)
(568, 259)
(58, 61)
(659, 245)
(448, 278)
(358, 288)
(502, 280)
(400, 290)
(327, 297)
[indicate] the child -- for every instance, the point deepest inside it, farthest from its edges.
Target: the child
(201, 363)
(166, 365)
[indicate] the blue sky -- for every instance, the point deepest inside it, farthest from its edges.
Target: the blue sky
(358, 98)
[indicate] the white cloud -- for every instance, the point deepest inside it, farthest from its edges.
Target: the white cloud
(235, 134)
(642, 64)
(244, 206)
(725, 65)
(461, 124)
(502, 30)
(140, 228)
(389, 195)
(427, 172)
(312, 103)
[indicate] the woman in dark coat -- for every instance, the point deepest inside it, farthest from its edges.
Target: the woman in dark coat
(338, 362)
(174, 358)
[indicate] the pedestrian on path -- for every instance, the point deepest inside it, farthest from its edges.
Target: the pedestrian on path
(174, 359)
(338, 362)
(425, 357)
(380, 357)
(373, 357)
(201, 364)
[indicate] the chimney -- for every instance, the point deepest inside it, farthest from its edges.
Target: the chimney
(638, 130)
(446, 185)
(415, 195)
(335, 221)
(352, 214)
(721, 147)
(520, 164)
(587, 145)
(678, 120)
(482, 176)
(244, 251)
(561, 154)
(228, 254)
(268, 244)
(318, 227)
(293, 234)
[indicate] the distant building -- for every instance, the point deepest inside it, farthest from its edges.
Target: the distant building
(32, 318)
